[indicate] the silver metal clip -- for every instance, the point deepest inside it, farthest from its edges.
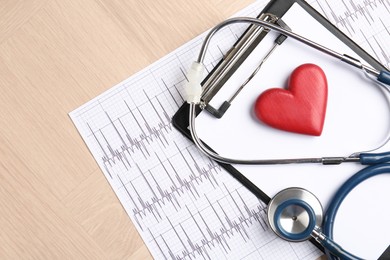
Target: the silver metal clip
(233, 59)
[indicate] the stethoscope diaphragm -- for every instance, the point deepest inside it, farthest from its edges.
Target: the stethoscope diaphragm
(294, 213)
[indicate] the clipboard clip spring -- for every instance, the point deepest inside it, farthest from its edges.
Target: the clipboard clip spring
(234, 58)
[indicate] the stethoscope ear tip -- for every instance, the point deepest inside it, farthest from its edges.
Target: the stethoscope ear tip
(294, 213)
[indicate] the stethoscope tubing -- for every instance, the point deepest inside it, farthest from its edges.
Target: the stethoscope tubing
(363, 158)
(343, 192)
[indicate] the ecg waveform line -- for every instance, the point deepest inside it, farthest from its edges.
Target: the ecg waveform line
(131, 144)
(143, 142)
(221, 235)
(138, 143)
(351, 13)
(179, 186)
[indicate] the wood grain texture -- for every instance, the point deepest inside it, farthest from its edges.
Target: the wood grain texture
(54, 56)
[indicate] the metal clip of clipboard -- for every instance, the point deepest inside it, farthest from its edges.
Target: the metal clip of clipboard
(234, 58)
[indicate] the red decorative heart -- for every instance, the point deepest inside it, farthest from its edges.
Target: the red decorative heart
(301, 107)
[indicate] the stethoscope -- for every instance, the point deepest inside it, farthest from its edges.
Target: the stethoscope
(295, 214)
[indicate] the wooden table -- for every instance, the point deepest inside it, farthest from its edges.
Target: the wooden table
(55, 203)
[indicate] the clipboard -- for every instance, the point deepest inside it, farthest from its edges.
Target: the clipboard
(278, 8)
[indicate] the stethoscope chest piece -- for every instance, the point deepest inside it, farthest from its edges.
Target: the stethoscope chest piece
(294, 213)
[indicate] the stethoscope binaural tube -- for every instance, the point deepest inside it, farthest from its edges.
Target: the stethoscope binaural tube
(382, 76)
(194, 92)
(295, 215)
